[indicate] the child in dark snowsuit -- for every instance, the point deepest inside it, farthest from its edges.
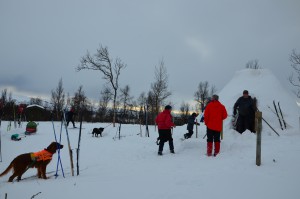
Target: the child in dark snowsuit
(190, 125)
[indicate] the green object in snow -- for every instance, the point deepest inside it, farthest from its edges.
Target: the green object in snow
(15, 137)
(31, 125)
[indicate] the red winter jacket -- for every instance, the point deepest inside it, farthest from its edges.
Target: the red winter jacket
(164, 120)
(214, 115)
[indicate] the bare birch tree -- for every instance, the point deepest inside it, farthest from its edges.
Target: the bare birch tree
(36, 100)
(110, 69)
(159, 88)
(125, 98)
(58, 99)
(203, 93)
(4, 99)
(105, 98)
(295, 63)
(79, 101)
(253, 64)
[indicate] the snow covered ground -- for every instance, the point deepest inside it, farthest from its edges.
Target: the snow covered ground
(131, 168)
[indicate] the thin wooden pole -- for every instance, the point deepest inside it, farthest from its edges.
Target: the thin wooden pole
(222, 132)
(69, 145)
(141, 131)
(196, 129)
(258, 128)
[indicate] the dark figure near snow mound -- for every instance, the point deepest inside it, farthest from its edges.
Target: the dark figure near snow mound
(244, 110)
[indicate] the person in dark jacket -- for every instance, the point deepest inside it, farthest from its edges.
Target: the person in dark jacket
(69, 117)
(190, 125)
(214, 115)
(165, 124)
(245, 108)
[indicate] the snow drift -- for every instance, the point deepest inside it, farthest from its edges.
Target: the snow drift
(263, 85)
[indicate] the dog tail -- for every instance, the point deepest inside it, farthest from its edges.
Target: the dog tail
(7, 169)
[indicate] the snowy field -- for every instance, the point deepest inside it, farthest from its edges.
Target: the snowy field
(130, 167)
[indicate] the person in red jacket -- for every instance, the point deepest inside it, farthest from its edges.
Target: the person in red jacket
(165, 125)
(214, 115)
(69, 117)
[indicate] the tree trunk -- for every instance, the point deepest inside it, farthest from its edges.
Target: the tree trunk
(114, 107)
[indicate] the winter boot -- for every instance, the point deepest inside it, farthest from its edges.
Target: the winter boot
(185, 136)
(171, 145)
(159, 153)
(217, 148)
(161, 145)
(209, 148)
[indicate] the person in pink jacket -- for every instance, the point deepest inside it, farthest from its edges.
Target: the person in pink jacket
(214, 115)
(165, 124)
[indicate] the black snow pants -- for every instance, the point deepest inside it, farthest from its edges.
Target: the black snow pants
(165, 135)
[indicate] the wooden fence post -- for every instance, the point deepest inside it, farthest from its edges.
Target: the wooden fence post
(221, 132)
(196, 129)
(258, 128)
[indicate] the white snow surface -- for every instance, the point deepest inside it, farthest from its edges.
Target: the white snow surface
(130, 167)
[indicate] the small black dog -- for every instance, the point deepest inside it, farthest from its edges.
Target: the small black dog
(97, 131)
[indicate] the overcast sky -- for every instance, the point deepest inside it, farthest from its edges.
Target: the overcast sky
(199, 40)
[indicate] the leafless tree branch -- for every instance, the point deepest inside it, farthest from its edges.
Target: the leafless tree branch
(111, 71)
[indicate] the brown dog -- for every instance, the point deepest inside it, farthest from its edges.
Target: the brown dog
(39, 160)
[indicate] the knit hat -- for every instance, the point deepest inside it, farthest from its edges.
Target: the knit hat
(168, 107)
(215, 97)
(245, 92)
